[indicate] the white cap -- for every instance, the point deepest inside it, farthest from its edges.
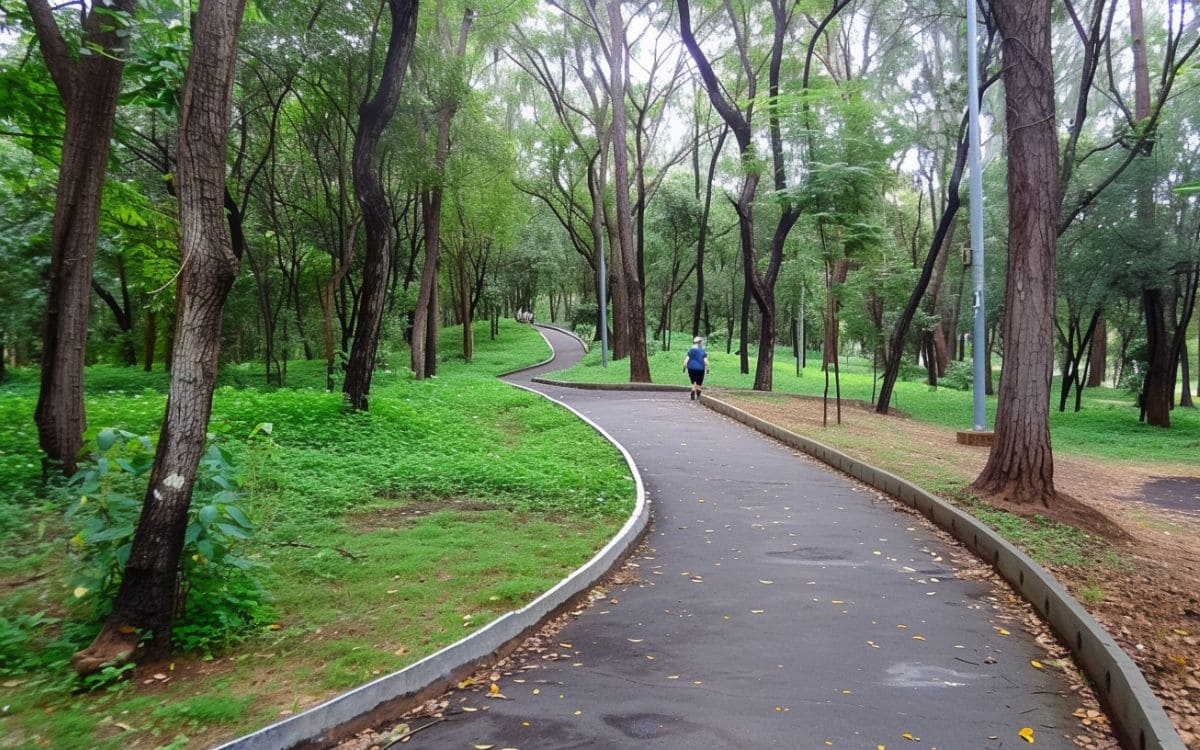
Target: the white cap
(697, 340)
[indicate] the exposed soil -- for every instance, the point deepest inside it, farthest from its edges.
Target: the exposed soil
(1148, 598)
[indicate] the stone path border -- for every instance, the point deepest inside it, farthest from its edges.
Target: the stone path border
(387, 697)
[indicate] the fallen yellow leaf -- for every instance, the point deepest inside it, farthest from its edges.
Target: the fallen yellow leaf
(909, 736)
(1037, 664)
(578, 712)
(464, 684)
(494, 689)
(469, 709)
(918, 637)
(1001, 631)
(537, 691)
(1026, 734)
(80, 592)
(765, 582)
(1179, 631)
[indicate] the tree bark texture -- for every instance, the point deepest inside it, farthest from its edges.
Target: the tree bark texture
(373, 116)
(1157, 393)
(145, 602)
(88, 88)
(425, 317)
(1020, 466)
(635, 302)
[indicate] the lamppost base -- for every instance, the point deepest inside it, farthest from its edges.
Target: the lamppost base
(981, 438)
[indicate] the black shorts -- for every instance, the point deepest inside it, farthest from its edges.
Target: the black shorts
(696, 376)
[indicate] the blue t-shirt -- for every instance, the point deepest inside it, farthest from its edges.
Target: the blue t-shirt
(696, 357)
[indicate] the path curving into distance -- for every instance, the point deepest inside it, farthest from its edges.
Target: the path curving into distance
(780, 605)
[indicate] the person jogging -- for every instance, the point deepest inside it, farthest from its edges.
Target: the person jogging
(696, 366)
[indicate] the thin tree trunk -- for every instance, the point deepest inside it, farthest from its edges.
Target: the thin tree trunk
(702, 240)
(149, 341)
(373, 117)
(145, 602)
(88, 89)
(639, 366)
(1098, 358)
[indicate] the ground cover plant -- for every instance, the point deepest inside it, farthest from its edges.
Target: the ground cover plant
(376, 537)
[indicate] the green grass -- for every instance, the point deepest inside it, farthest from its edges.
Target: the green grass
(1106, 427)
(452, 500)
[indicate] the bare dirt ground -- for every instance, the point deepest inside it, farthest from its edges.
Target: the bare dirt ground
(1148, 598)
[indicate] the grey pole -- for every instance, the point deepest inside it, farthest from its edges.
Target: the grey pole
(602, 304)
(978, 346)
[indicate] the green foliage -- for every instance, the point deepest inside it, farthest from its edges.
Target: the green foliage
(20, 634)
(959, 376)
(220, 597)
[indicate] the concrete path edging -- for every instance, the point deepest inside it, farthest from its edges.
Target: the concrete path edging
(341, 715)
(1137, 714)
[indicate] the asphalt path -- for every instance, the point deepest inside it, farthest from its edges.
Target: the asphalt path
(776, 604)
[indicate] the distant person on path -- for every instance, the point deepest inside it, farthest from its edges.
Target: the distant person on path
(696, 366)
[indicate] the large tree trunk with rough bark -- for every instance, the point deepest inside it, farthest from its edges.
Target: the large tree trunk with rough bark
(145, 603)
(88, 87)
(373, 116)
(1020, 467)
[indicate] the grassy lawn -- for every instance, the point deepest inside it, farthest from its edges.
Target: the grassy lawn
(454, 499)
(1106, 427)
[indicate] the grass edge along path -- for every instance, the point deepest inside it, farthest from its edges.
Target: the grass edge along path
(440, 543)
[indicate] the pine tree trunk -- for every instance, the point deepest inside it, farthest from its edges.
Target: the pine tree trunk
(1020, 467)
(145, 602)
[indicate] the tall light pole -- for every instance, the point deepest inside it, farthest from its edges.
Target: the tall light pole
(978, 336)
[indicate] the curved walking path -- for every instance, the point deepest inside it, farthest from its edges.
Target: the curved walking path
(779, 605)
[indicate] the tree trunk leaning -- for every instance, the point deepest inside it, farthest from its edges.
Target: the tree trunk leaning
(145, 603)
(373, 116)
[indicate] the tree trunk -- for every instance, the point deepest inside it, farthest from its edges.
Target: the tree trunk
(1156, 390)
(433, 322)
(373, 117)
(425, 319)
(1020, 466)
(635, 303)
(145, 602)
(149, 340)
(1098, 366)
(88, 89)
(702, 240)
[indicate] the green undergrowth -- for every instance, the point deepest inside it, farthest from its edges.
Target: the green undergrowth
(1106, 427)
(380, 537)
